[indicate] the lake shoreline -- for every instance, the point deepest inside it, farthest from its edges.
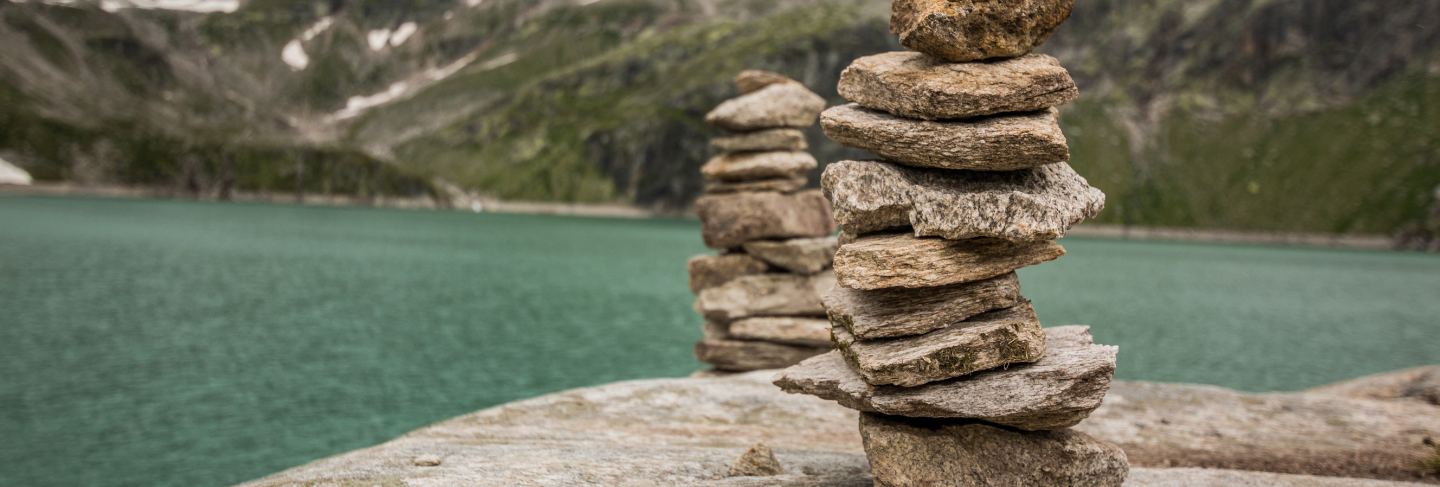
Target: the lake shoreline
(615, 210)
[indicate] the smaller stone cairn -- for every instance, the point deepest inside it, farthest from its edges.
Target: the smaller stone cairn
(760, 296)
(956, 381)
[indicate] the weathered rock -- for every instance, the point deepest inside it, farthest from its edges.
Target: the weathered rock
(752, 355)
(812, 332)
(773, 106)
(729, 220)
(713, 270)
(996, 143)
(1420, 384)
(801, 255)
(752, 80)
(765, 295)
(914, 85)
(758, 461)
(1058, 391)
(746, 166)
(906, 452)
(688, 432)
(783, 185)
(1020, 206)
(764, 140)
(899, 260)
(428, 461)
(995, 339)
(902, 312)
(969, 30)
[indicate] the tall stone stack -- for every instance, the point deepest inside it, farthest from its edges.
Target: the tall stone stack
(761, 295)
(957, 382)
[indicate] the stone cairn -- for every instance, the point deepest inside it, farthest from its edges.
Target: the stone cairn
(956, 382)
(760, 296)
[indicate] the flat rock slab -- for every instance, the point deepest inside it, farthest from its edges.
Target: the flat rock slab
(902, 261)
(746, 355)
(783, 185)
(752, 80)
(970, 30)
(708, 271)
(799, 255)
(915, 85)
(996, 143)
(1020, 206)
(779, 105)
(690, 431)
(885, 313)
(765, 295)
(1420, 384)
(1058, 391)
(729, 220)
(748, 166)
(792, 330)
(999, 338)
(763, 140)
(906, 452)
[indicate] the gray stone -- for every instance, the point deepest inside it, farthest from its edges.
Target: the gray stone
(1021, 206)
(764, 140)
(914, 85)
(783, 185)
(765, 295)
(996, 143)
(729, 220)
(907, 452)
(812, 332)
(713, 270)
(800, 255)
(1058, 391)
(899, 260)
(688, 432)
(752, 80)
(758, 461)
(748, 166)
(898, 312)
(969, 30)
(743, 355)
(995, 339)
(773, 106)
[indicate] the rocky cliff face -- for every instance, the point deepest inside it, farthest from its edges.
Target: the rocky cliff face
(1249, 114)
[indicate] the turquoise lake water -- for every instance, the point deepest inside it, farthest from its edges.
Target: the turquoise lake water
(184, 343)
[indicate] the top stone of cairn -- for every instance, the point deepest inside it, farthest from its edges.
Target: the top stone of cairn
(972, 30)
(752, 80)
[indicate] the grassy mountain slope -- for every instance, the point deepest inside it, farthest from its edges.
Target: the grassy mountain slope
(1246, 114)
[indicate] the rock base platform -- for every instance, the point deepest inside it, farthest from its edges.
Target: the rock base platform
(691, 432)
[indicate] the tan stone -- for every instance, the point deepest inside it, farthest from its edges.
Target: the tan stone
(899, 260)
(897, 312)
(765, 295)
(1058, 391)
(1020, 206)
(915, 85)
(752, 80)
(758, 461)
(713, 270)
(774, 106)
(908, 452)
(995, 339)
(970, 30)
(763, 140)
(747, 166)
(996, 143)
(793, 330)
(729, 220)
(798, 255)
(783, 185)
(741, 355)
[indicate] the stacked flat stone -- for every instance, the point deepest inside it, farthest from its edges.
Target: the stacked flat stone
(957, 382)
(761, 295)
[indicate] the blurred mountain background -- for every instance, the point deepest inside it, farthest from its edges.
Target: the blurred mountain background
(1314, 116)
